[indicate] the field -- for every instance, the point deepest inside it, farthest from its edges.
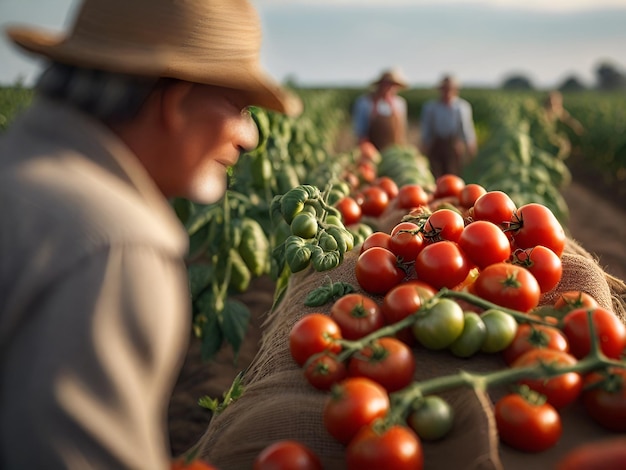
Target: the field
(586, 190)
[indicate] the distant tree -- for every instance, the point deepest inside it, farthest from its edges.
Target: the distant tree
(609, 77)
(571, 83)
(517, 82)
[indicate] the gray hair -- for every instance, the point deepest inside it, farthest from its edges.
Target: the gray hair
(108, 96)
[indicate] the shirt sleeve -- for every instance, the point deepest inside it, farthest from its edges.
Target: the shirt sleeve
(468, 131)
(95, 365)
(426, 131)
(360, 116)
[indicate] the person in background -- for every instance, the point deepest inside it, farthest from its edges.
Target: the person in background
(555, 112)
(142, 101)
(380, 116)
(447, 134)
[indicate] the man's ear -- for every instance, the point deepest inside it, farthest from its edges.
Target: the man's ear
(174, 113)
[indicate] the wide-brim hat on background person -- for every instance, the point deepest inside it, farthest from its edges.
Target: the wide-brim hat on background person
(394, 76)
(213, 42)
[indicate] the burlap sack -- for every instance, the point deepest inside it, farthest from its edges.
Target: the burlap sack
(279, 404)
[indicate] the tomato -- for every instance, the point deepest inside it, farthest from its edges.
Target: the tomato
(442, 264)
(369, 151)
(380, 239)
(484, 243)
(501, 328)
(431, 418)
(448, 185)
(403, 300)
(324, 370)
(443, 224)
(377, 270)
(287, 455)
(406, 241)
(196, 464)
(388, 185)
(508, 285)
(604, 454)
(535, 224)
(375, 201)
(543, 263)
(357, 315)
(396, 447)
(353, 403)
(366, 170)
(496, 207)
(387, 361)
(609, 330)
(534, 336)
(410, 196)
(571, 300)
(559, 391)
(472, 337)
(304, 225)
(350, 210)
(441, 326)
(469, 194)
(313, 334)
(604, 398)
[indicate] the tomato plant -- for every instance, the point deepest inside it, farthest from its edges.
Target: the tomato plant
(312, 334)
(543, 263)
(377, 270)
(484, 243)
(387, 361)
(441, 325)
(287, 455)
(443, 224)
(410, 196)
(442, 264)
(324, 370)
(535, 224)
(350, 210)
(501, 328)
(375, 201)
(496, 207)
(431, 418)
(609, 331)
(525, 425)
(396, 447)
(509, 286)
(357, 315)
(604, 398)
(533, 336)
(353, 403)
(403, 300)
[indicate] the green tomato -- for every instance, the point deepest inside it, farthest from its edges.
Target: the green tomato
(441, 326)
(501, 329)
(432, 418)
(472, 338)
(334, 220)
(304, 225)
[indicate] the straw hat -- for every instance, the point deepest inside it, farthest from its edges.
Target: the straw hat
(214, 42)
(394, 76)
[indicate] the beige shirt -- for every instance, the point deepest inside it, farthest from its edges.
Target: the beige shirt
(94, 301)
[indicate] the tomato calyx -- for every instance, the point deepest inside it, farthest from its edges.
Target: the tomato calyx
(529, 395)
(610, 382)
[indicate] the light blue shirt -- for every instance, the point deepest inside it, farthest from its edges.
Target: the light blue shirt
(447, 120)
(362, 110)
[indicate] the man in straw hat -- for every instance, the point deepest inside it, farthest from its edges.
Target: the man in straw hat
(380, 117)
(142, 101)
(447, 129)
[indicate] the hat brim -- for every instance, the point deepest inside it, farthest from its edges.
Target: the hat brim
(245, 76)
(393, 82)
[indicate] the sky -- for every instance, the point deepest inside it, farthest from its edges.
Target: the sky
(350, 42)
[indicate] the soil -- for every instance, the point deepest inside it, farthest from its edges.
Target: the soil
(597, 222)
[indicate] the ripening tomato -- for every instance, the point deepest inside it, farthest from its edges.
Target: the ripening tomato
(442, 264)
(443, 224)
(508, 285)
(353, 403)
(448, 185)
(350, 210)
(543, 263)
(396, 447)
(533, 336)
(526, 426)
(469, 194)
(403, 300)
(324, 370)
(571, 300)
(375, 201)
(609, 331)
(377, 270)
(535, 224)
(484, 243)
(441, 326)
(287, 454)
(496, 207)
(380, 239)
(388, 185)
(410, 196)
(604, 398)
(357, 315)
(406, 241)
(312, 334)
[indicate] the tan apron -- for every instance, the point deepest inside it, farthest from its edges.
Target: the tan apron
(385, 131)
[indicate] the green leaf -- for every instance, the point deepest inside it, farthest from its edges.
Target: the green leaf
(212, 337)
(200, 276)
(236, 317)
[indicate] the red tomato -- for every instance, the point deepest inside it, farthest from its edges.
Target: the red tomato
(324, 370)
(410, 196)
(404, 300)
(543, 263)
(380, 239)
(571, 300)
(484, 243)
(561, 390)
(605, 402)
(387, 361)
(369, 151)
(377, 270)
(448, 185)
(527, 426)
(397, 448)
(605, 454)
(442, 264)
(610, 331)
(366, 170)
(406, 241)
(469, 194)
(357, 315)
(509, 286)
(535, 224)
(496, 207)
(313, 334)
(350, 210)
(355, 402)
(443, 224)
(196, 464)
(533, 336)
(287, 455)
(375, 201)
(388, 185)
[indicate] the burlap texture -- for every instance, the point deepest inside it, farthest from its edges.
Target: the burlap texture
(278, 403)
